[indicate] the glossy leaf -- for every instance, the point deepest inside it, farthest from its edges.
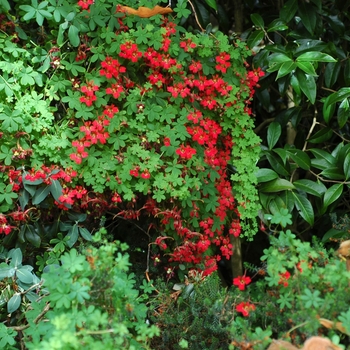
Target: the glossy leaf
(346, 166)
(343, 113)
(288, 10)
(273, 134)
(338, 96)
(331, 74)
(311, 187)
(255, 38)
(277, 165)
(265, 174)
(31, 236)
(276, 185)
(277, 25)
(333, 173)
(307, 45)
(56, 189)
(278, 58)
(321, 136)
(257, 20)
(307, 85)
(212, 4)
(315, 56)
(332, 194)
(285, 69)
(335, 234)
(307, 13)
(300, 158)
(16, 257)
(304, 207)
(307, 67)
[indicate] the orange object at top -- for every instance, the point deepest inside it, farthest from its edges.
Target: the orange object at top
(146, 12)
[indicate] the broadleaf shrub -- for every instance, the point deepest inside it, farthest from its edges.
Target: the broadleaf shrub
(130, 116)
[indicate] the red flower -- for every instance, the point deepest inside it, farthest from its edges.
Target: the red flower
(245, 308)
(241, 281)
(284, 277)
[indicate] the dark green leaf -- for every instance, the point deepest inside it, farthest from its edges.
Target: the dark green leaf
(307, 85)
(304, 207)
(343, 112)
(73, 235)
(335, 234)
(277, 165)
(338, 96)
(255, 38)
(346, 166)
(277, 25)
(56, 189)
(31, 236)
(311, 187)
(276, 185)
(285, 69)
(331, 74)
(257, 20)
(307, 45)
(16, 257)
(273, 134)
(288, 10)
(264, 175)
(332, 194)
(321, 136)
(85, 233)
(308, 15)
(300, 158)
(40, 194)
(278, 58)
(333, 173)
(212, 4)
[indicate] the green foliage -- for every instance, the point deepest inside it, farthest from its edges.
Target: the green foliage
(88, 299)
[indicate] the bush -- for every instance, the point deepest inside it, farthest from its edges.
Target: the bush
(88, 300)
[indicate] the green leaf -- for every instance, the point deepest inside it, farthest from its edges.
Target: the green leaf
(255, 38)
(338, 96)
(343, 112)
(333, 173)
(73, 235)
(257, 20)
(286, 68)
(335, 234)
(300, 158)
(307, 13)
(212, 4)
(314, 56)
(277, 165)
(321, 136)
(331, 74)
(265, 174)
(276, 58)
(24, 275)
(307, 85)
(346, 166)
(307, 67)
(16, 257)
(304, 207)
(276, 185)
(85, 233)
(40, 194)
(56, 189)
(14, 303)
(31, 236)
(277, 25)
(288, 10)
(332, 194)
(73, 35)
(273, 134)
(311, 187)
